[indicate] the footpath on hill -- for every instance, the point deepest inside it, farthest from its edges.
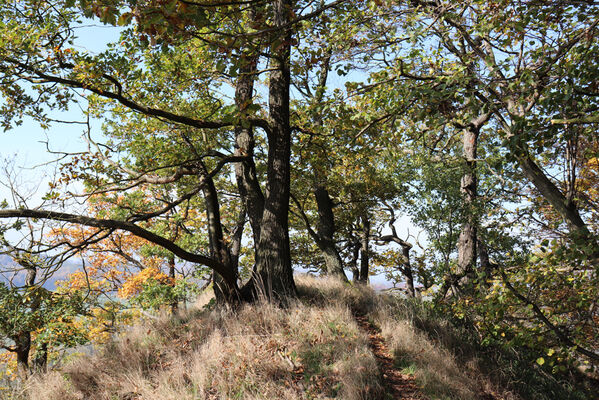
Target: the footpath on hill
(399, 386)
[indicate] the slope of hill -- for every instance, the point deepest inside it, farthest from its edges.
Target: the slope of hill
(336, 341)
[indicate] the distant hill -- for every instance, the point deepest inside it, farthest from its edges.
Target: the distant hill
(12, 272)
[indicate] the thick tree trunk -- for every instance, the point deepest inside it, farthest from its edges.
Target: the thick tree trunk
(245, 171)
(365, 250)
(274, 274)
(469, 188)
(326, 231)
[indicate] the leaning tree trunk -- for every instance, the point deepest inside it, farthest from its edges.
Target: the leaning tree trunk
(274, 274)
(469, 188)
(554, 196)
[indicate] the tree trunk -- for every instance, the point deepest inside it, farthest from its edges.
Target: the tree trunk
(274, 274)
(551, 193)
(22, 348)
(353, 264)
(326, 231)
(225, 287)
(245, 171)
(486, 266)
(171, 274)
(407, 271)
(365, 250)
(469, 188)
(22, 341)
(566, 208)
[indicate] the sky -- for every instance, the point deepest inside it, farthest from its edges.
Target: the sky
(25, 148)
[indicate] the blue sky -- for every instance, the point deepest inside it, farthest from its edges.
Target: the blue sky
(25, 146)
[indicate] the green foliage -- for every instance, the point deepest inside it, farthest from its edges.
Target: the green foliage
(48, 314)
(155, 294)
(384, 131)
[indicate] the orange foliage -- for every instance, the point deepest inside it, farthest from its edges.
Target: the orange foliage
(135, 283)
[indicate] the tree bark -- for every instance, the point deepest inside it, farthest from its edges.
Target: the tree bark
(245, 171)
(171, 274)
(353, 264)
(365, 250)
(407, 271)
(565, 207)
(22, 348)
(23, 339)
(469, 188)
(326, 231)
(225, 287)
(553, 195)
(274, 274)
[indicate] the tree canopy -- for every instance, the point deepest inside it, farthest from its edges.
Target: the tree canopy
(244, 139)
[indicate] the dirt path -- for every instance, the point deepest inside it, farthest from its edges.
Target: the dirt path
(398, 385)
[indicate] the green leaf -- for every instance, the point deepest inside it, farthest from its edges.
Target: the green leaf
(540, 361)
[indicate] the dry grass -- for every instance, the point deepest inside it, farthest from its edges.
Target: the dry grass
(311, 349)
(258, 352)
(421, 344)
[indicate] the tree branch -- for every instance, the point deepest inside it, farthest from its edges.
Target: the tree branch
(146, 110)
(561, 335)
(121, 225)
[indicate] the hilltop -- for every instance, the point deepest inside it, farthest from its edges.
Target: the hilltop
(330, 343)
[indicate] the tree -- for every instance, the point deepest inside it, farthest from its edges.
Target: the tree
(232, 37)
(36, 318)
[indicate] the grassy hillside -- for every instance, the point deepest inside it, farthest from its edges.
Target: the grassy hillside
(312, 349)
